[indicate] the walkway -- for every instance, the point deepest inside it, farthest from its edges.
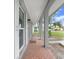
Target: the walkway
(36, 50)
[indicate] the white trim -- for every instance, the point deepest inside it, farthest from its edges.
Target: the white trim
(21, 48)
(21, 28)
(21, 8)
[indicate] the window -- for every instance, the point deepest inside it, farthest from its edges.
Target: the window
(21, 28)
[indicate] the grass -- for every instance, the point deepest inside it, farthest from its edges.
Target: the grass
(58, 34)
(36, 33)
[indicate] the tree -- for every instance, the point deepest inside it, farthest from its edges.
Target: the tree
(57, 24)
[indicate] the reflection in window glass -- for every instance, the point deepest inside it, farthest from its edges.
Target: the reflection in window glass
(21, 18)
(20, 38)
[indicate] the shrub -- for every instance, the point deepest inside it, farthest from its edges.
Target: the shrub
(49, 33)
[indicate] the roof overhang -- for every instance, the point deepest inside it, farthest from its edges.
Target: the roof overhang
(55, 6)
(36, 8)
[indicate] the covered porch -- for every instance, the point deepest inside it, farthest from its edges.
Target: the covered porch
(28, 13)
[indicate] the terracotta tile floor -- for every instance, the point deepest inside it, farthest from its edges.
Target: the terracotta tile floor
(36, 50)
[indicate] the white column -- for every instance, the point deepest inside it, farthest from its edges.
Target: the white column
(40, 28)
(30, 29)
(46, 28)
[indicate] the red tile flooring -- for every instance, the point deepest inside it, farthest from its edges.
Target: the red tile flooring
(36, 50)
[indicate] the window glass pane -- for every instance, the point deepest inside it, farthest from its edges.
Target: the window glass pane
(20, 38)
(21, 18)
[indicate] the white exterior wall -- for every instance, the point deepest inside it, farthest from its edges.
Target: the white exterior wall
(18, 53)
(16, 29)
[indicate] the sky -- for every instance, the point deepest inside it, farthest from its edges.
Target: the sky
(58, 16)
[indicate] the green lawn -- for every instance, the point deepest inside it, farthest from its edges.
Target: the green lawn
(58, 34)
(36, 33)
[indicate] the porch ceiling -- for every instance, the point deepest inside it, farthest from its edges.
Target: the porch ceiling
(35, 8)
